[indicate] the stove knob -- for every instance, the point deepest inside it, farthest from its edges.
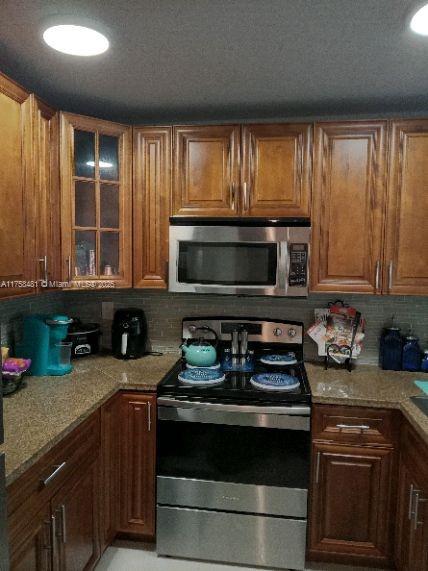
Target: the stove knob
(292, 332)
(277, 332)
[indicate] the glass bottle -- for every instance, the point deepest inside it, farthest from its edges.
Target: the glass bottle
(411, 354)
(391, 349)
(424, 364)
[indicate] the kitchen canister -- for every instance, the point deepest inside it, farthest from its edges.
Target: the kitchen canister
(411, 354)
(391, 349)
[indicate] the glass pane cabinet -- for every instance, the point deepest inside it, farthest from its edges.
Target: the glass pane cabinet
(97, 193)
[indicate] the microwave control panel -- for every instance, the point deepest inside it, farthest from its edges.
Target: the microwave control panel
(298, 273)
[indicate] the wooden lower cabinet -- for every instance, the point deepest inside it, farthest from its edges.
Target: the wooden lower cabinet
(352, 505)
(350, 513)
(33, 550)
(76, 511)
(411, 546)
(137, 465)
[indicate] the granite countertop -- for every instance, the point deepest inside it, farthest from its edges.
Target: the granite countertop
(49, 408)
(368, 385)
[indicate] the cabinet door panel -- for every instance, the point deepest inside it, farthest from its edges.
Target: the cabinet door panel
(138, 457)
(152, 197)
(277, 170)
(32, 548)
(96, 208)
(76, 509)
(110, 443)
(17, 199)
(348, 207)
(407, 230)
(206, 170)
(351, 499)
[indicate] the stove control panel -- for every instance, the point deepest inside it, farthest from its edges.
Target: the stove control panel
(263, 331)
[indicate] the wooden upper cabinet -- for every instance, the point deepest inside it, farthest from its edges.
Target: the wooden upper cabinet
(152, 197)
(17, 199)
(348, 207)
(96, 191)
(276, 163)
(47, 191)
(206, 170)
(406, 259)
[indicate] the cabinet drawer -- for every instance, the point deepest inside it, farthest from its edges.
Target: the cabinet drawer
(31, 491)
(354, 425)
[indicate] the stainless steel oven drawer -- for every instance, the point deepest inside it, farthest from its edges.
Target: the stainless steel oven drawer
(235, 538)
(270, 500)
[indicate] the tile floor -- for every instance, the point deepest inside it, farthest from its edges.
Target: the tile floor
(126, 556)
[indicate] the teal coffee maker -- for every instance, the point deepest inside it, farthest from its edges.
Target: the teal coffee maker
(43, 343)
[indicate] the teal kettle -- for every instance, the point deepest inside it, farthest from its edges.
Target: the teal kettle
(201, 352)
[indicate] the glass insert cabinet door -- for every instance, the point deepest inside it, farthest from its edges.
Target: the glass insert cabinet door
(97, 195)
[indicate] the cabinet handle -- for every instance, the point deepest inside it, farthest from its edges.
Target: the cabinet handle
(44, 261)
(390, 272)
(149, 416)
(418, 500)
(232, 195)
(317, 470)
(411, 490)
(377, 281)
(57, 470)
(48, 546)
(69, 269)
(53, 541)
(63, 524)
(246, 202)
(361, 427)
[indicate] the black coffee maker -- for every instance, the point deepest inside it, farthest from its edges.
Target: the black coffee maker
(129, 334)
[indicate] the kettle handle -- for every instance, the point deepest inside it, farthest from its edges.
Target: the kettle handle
(206, 328)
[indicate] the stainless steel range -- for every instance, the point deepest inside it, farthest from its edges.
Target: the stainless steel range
(234, 457)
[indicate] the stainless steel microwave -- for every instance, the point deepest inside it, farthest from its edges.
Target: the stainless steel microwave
(239, 256)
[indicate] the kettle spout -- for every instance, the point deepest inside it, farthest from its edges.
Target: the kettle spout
(184, 348)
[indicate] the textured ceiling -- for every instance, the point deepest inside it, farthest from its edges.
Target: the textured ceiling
(181, 60)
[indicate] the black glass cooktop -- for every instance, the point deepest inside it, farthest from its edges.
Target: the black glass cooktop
(236, 388)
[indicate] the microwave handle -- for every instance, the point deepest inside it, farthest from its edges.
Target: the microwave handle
(283, 266)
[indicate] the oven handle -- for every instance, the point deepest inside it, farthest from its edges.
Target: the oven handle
(282, 410)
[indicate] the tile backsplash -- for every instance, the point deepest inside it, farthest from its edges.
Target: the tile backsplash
(165, 311)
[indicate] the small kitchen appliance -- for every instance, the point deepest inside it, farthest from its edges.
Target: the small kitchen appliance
(234, 447)
(245, 256)
(85, 338)
(43, 343)
(129, 333)
(201, 352)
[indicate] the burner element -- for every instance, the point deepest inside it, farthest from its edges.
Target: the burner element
(201, 377)
(274, 382)
(277, 359)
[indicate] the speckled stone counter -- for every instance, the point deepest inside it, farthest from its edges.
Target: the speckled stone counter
(367, 385)
(40, 415)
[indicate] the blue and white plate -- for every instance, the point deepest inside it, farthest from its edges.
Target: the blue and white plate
(274, 382)
(214, 367)
(284, 359)
(201, 377)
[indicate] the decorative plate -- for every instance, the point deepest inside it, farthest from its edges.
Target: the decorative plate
(201, 377)
(274, 382)
(214, 367)
(284, 359)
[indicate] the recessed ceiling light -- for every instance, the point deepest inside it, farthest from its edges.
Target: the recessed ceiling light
(76, 40)
(419, 22)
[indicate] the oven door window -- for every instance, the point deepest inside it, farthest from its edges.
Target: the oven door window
(227, 263)
(245, 455)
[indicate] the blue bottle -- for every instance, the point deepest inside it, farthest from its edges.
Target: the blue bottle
(391, 349)
(424, 364)
(411, 354)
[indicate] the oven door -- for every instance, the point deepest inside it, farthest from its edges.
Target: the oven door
(233, 259)
(225, 482)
